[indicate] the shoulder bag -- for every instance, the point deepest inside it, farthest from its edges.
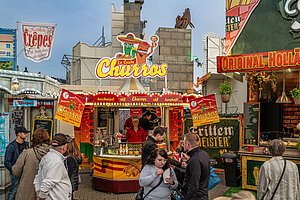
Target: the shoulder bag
(278, 182)
(140, 193)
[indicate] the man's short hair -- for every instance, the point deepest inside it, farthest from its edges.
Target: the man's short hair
(158, 130)
(276, 147)
(21, 129)
(59, 139)
(192, 138)
(147, 113)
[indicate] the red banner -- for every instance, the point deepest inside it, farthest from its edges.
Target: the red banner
(70, 108)
(273, 60)
(135, 111)
(158, 112)
(204, 110)
(176, 122)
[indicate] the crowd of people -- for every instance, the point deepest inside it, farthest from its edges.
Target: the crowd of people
(50, 169)
(46, 170)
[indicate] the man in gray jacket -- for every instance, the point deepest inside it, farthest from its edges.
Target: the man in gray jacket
(52, 181)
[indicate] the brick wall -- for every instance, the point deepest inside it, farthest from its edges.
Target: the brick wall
(291, 115)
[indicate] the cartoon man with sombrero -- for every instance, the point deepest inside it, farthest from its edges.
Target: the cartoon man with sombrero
(128, 41)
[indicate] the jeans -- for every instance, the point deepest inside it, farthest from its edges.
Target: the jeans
(14, 182)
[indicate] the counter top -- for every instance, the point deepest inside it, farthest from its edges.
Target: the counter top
(258, 152)
(120, 157)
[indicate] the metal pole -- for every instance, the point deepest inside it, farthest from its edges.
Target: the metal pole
(166, 83)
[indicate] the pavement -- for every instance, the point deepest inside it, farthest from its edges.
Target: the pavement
(86, 192)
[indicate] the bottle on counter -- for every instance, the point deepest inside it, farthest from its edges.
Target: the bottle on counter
(121, 149)
(126, 149)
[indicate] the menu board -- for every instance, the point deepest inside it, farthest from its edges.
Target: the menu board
(176, 122)
(251, 133)
(4, 131)
(87, 125)
(46, 124)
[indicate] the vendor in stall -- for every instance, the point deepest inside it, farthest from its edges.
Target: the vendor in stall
(135, 134)
(145, 121)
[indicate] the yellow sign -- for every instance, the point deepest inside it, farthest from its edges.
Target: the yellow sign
(111, 168)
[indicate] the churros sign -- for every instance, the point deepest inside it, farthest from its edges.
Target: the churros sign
(132, 62)
(70, 108)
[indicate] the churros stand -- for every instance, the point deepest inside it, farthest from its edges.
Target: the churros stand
(117, 164)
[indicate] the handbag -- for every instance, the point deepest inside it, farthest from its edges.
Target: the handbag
(140, 193)
(277, 183)
(213, 179)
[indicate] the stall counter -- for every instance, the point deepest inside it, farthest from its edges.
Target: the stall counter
(252, 161)
(117, 174)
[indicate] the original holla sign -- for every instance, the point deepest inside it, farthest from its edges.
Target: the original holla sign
(132, 62)
(38, 40)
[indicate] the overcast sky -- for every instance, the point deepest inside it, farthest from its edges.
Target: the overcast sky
(81, 20)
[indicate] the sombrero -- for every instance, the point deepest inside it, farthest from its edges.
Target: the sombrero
(129, 39)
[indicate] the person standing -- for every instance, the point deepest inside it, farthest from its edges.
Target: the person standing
(74, 159)
(27, 164)
(13, 151)
(195, 184)
(52, 181)
(152, 173)
(145, 121)
(151, 143)
(270, 174)
(135, 134)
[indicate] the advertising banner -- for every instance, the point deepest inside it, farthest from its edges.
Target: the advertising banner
(204, 110)
(8, 49)
(273, 60)
(217, 138)
(203, 78)
(117, 169)
(25, 103)
(135, 111)
(132, 61)
(237, 14)
(37, 40)
(4, 131)
(70, 108)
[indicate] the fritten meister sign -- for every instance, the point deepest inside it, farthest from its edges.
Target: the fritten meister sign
(273, 60)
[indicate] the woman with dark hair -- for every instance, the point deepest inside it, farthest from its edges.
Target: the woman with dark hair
(27, 165)
(74, 159)
(278, 178)
(156, 165)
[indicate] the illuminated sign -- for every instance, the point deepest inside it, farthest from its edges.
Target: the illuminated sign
(133, 61)
(273, 60)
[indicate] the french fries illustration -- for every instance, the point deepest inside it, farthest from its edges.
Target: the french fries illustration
(133, 169)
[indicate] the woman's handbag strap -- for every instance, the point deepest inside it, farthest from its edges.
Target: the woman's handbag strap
(161, 179)
(279, 180)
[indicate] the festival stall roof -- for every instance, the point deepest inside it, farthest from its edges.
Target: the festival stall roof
(131, 85)
(136, 99)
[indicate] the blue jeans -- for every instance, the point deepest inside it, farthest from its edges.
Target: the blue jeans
(14, 182)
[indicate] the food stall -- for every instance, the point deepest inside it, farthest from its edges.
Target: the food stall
(117, 164)
(270, 113)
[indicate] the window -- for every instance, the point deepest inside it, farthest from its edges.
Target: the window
(8, 46)
(7, 53)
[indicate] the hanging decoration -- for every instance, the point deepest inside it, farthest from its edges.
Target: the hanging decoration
(255, 80)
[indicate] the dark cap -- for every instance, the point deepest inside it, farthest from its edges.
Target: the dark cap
(21, 129)
(59, 139)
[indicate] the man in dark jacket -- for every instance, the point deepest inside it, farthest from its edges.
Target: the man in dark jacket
(195, 185)
(151, 143)
(13, 150)
(144, 122)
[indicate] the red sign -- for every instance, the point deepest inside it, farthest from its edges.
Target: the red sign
(70, 108)
(135, 111)
(158, 112)
(176, 122)
(203, 78)
(273, 60)
(87, 125)
(204, 110)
